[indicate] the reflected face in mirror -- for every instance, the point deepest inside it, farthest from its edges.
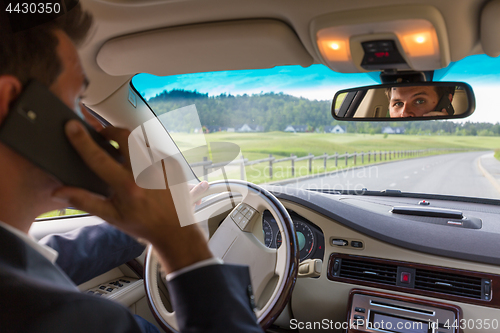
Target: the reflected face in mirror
(417, 101)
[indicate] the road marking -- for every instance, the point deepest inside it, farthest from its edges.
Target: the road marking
(392, 185)
(487, 175)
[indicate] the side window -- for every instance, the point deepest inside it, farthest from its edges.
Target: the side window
(62, 212)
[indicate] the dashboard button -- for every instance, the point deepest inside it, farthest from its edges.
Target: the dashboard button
(487, 287)
(336, 266)
(359, 317)
(357, 244)
(340, 242)
(405, 277)
(362, 310)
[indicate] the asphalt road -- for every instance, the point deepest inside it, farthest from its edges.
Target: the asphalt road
(453, 174)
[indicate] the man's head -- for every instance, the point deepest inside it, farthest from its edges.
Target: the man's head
(416, 101)
(48, 54)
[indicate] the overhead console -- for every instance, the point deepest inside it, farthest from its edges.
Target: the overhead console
(394, 37)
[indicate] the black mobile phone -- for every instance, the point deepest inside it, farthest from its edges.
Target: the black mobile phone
(34, 128)
(444, 103)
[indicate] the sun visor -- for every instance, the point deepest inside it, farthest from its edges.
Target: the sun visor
(395, 37)
(250, 44)
(490, 28)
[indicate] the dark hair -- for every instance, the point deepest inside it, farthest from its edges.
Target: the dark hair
(440, 91)
(32, 53)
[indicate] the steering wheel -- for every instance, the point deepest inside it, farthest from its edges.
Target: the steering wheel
(273, 272)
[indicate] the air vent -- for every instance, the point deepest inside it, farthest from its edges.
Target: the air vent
(446, 283)
(368, 271)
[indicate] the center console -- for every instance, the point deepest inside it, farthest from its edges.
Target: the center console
(371, 311)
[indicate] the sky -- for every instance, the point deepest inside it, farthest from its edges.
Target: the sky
(318, 82)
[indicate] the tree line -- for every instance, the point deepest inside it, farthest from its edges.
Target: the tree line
(275, 111)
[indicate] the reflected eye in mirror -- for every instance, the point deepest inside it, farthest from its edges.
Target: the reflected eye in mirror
(408, 101)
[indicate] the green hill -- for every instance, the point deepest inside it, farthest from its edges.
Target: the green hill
(275, 111)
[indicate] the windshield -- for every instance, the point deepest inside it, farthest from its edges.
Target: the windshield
(275, 126)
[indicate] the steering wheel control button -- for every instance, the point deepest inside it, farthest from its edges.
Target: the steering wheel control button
(359, 317)
(340, 242)
(243, 215)
(362, 310)
(239, 218)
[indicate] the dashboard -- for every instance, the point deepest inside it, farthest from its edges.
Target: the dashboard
(409, 266)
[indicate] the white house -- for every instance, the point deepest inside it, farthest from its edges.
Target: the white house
(296, 128)
(393, 130)
(245, 128)
(250, 128)
(337, 129)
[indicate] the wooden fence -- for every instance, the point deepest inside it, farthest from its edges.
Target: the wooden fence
(342, 159)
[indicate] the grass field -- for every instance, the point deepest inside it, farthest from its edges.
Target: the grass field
(280, 144)
(62, 212)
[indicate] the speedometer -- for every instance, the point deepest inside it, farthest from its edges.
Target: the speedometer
(268, 233)
(305, 238)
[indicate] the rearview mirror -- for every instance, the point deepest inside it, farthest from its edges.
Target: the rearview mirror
(405, 101)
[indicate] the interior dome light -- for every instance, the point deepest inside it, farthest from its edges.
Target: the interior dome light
(420, 44)
(334, 50)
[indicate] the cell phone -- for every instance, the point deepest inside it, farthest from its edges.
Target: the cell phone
(34, 128)
(444, 103)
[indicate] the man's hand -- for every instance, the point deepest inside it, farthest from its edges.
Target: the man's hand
(435, 113)
(197, 189)
(148, 214)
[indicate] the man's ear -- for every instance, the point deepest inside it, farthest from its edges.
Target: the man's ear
(450, 97)
(10, 88)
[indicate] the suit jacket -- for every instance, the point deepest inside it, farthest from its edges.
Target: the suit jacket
(37, 296)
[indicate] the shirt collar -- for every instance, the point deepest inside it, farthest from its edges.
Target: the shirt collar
(44, 250)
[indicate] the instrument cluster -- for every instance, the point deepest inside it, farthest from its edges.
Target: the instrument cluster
(310, 238)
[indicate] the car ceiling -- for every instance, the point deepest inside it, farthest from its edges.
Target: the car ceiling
(117, 18)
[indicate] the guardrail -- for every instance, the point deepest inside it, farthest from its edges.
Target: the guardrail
(370, 156)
